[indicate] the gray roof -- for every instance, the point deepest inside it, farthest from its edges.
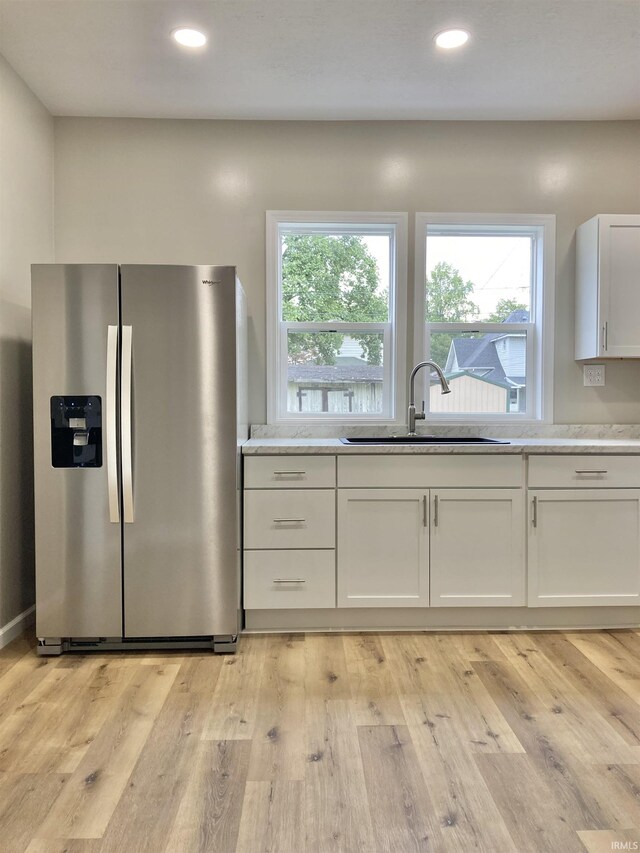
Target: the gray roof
(519, 316)
(459, 373)
(480, 353)
(315, 374)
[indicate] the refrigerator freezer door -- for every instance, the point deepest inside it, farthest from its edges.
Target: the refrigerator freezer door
(78, 555)
(180, 530)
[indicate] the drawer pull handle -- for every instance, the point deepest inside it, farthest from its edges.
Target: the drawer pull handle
(289, 473)
(289, 580)
(591, 471)
(289, 520)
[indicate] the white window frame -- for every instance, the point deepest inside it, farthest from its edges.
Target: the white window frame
(394, 331)
(540, 329)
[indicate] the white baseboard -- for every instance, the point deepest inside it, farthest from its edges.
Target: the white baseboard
(17, 626)
(442, 619)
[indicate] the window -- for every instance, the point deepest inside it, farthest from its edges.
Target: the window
(336, 299)
(484, 313)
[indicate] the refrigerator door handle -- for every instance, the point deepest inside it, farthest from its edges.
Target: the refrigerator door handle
(112, 424)
(127, 427)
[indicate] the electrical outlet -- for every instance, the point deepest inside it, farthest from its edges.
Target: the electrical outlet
(594, 374)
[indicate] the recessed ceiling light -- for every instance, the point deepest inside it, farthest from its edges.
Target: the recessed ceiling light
(189, 38)
(452, 38)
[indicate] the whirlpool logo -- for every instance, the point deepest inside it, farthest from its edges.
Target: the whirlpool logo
(210, 281)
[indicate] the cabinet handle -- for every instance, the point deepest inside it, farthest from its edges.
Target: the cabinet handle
(289, 520)
(605, 335)
(425, 520)
(290, 473)
(591, 471)
(289, 580)
(534, 519)
(435, 511)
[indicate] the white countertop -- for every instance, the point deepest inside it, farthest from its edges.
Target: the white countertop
(332, 446)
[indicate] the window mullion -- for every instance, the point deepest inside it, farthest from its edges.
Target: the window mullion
(388, 389)
(532, 376)
(283, 378)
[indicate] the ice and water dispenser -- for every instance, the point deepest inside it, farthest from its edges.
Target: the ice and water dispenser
(76, 432)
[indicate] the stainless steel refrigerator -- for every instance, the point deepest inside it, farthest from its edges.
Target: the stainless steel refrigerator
(139, 382)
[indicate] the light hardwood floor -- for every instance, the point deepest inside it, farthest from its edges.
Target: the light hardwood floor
(375, 743)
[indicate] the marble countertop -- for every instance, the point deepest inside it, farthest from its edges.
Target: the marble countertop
(333, 446)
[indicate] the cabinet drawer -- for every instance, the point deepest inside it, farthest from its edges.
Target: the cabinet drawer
(289, 518)
(286, 579)
(593, 472)
(422, 472)
(290, 472)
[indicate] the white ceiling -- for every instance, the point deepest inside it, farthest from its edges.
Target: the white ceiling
(329, 59)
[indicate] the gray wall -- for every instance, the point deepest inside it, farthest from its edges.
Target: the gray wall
(196, 192)
(26, 236)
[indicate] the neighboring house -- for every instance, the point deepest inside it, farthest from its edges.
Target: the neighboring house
(349, 385)
(486, 374)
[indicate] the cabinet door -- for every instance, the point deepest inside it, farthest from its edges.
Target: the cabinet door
(584, 547)
(477, 548)
(383, 548)
(619, 291)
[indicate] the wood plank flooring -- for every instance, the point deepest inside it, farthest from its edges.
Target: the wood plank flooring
(322, 743)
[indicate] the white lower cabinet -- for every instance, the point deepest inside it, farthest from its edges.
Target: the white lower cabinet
(383, 548)
(475, 539)
(442, 531)
(584, 547)
(289, 533)
(477, 548)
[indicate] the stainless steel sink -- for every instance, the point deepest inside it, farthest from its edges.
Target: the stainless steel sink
(422, 439)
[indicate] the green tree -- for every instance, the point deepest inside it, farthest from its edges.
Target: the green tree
(447, 301)
(504, 308)
(328, 278)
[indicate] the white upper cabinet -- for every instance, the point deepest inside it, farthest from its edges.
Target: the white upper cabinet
(608, 287)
